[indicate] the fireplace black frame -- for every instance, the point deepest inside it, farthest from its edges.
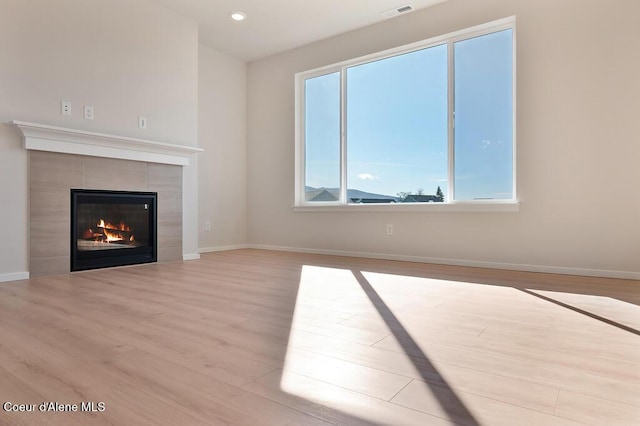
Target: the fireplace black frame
(84, 260)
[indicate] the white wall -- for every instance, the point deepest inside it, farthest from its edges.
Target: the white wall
(124, 57)
(578, 146)
(222, 124)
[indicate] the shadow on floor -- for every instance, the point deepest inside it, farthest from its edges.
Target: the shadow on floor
(582, 311)
(447, 397)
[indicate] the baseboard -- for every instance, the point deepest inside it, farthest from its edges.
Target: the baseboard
(192, 256)
(601, 273)
(14, 276)
(222, 248)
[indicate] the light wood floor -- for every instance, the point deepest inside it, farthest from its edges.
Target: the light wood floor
(253, 337)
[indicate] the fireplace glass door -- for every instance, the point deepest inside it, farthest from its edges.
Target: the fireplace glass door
(112, 228)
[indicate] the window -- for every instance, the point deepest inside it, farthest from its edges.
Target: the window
(322, 136)
(432, 122)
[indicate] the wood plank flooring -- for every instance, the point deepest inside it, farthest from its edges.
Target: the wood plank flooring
(252, 337)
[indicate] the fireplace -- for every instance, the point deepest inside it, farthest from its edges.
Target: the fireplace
(112, 228)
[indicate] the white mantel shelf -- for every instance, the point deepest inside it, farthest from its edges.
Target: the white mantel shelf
(41, 137)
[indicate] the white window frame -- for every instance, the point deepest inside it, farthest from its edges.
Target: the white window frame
(342, 204)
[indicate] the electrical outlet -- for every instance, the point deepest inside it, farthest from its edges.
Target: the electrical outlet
(142, 122)
(207, 226)
(88, 112)
(389, 229)
(65, 107)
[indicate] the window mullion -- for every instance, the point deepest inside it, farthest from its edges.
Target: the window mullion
(343, 136)
(452, 126)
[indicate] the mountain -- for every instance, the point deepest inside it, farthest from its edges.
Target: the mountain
(352, 193)
(356, 193)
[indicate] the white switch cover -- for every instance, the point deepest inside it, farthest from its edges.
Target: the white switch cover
(142, 122)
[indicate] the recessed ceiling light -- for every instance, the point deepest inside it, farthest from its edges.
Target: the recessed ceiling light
(238, 16)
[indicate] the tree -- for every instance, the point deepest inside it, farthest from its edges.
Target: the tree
(420, 191)
(440, 195)
(403, 195)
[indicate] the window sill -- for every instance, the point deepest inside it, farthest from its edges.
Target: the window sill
(461, 207)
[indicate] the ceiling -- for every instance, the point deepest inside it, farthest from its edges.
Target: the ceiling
(274, 26)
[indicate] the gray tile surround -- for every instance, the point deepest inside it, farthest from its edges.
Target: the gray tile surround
(53, 175)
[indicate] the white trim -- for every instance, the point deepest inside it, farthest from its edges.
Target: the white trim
(300, 165)
(600, 273)
(41, 137)
(223, 248)
(514, 106)
(459, 207)
(14, 276)
(191, 256)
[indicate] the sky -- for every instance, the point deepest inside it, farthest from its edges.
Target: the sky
(396, 122)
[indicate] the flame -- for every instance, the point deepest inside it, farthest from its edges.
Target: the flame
(112, 236)
(120, 227)
(113, 233)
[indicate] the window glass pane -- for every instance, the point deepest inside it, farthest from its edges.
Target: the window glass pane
(483, 117)
(397, 128)
(322, 138)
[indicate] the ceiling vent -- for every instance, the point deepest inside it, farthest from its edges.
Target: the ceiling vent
(391, 13)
